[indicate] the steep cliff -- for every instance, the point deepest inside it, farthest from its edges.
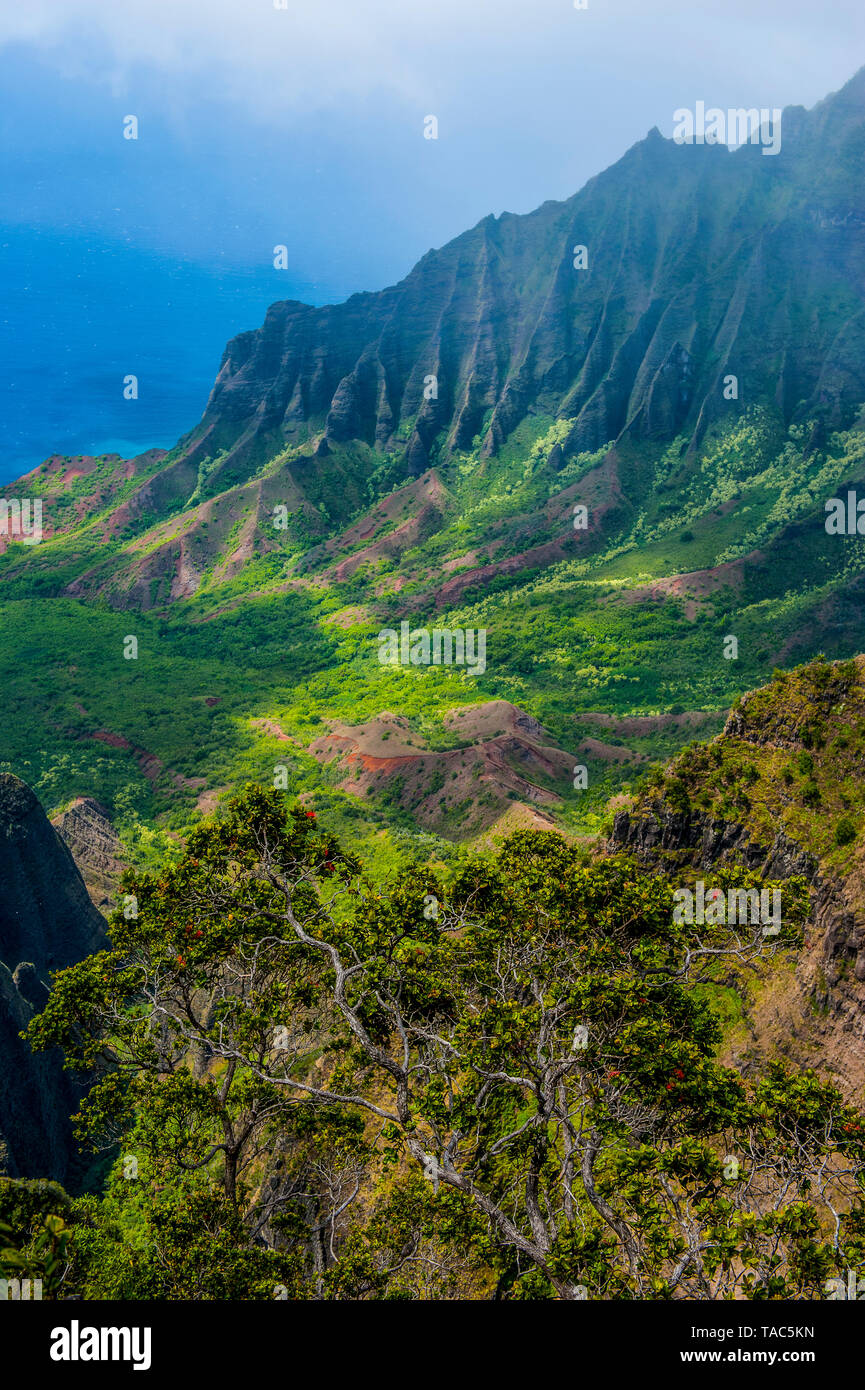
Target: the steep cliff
(700, 262)
(780, 791)
(47, 921)
(86, 829)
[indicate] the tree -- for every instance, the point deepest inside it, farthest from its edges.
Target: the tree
(526, 1034)
(34, 1235)
(147, 1023)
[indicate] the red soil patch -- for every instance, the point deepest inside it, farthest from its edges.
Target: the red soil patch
(411, 507)
(640, 725)
(697, 584)
(113, 740)
(149, 763)
(610, 752)
(459, 791)
(272, 729)
(550, 552)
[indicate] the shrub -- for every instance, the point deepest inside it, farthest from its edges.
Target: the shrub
(845, 831)
(811, 793)
(676, 794)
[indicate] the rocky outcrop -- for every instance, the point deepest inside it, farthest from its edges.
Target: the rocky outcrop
(46, 916)
(47, 921)
(85, 827)
(679, 838)
(502, 322)
(813, 1014)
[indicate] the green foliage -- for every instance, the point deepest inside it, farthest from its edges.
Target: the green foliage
(540, 1045)
(566, 636)
(183, 1241)
(34, 1233)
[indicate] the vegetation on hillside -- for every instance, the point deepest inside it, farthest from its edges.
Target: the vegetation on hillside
(791, 759)
(276, 642)
(497, 1080)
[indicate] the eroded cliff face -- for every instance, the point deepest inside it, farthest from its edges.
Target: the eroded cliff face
(671, 838)
(47, 921)
(94, 844)
(810, 1010)
(636, 337)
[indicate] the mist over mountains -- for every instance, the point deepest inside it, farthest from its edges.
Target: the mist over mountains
(700, 262)
(605, 431)
(479, 569)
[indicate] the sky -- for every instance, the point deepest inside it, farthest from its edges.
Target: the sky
(303, 126)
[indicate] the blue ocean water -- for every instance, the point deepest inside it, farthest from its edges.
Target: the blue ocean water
(78, 314)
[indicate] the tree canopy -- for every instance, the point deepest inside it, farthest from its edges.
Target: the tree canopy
(496, 1080)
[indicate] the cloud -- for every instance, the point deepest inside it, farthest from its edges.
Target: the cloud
(532, 96)
(314, 52)
(320, 53)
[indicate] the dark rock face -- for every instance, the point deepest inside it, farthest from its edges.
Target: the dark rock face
(639, 341)
(821, 1021)
(700, 841)
(37, 1097)
(47, 921)
(46, 915)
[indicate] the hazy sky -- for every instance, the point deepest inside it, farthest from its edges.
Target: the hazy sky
(304, 127)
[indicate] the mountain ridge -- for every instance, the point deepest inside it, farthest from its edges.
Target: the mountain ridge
(577, 485)
(778, 792)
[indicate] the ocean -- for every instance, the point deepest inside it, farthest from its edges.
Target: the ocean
(78, 315)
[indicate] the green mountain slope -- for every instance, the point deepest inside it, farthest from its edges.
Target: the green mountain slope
(422, 455)
(778, 794)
